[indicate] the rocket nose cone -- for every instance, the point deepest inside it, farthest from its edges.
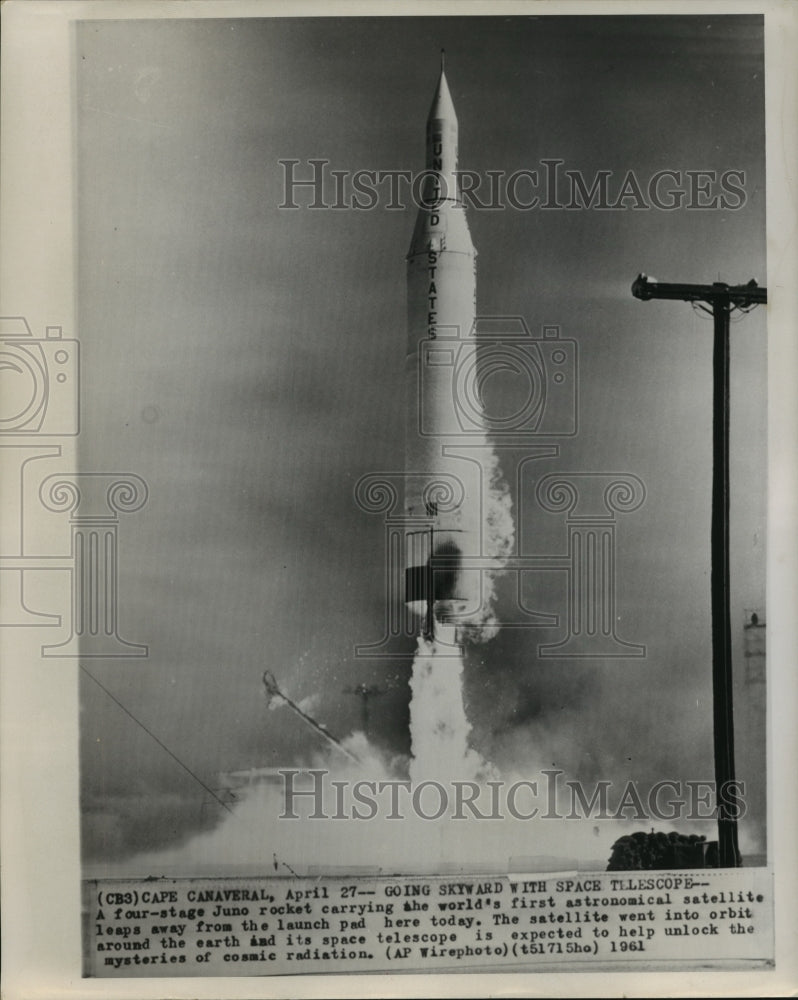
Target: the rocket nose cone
(442, 104)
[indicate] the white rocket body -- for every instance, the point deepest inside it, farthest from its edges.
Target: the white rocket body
(442, 491)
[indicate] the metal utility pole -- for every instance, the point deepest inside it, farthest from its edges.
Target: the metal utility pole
(721, 298)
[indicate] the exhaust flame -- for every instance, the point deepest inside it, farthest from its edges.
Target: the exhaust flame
(439, 727)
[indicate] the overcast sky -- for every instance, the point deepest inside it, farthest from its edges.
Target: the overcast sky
(247, 361)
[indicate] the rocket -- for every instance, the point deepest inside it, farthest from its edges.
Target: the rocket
(442, 490)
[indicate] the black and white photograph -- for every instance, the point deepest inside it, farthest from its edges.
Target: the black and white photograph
(389, 511)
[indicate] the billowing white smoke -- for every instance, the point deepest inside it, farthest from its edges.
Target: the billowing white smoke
(259, 838)
(498, 539)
